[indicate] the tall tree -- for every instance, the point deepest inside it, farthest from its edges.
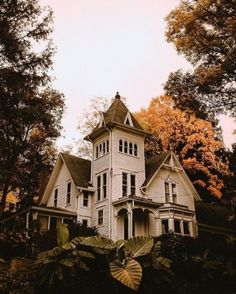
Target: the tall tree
(204, 31)
(30, 109)
(192, 139)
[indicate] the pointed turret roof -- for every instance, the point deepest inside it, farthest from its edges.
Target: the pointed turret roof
(116, 116)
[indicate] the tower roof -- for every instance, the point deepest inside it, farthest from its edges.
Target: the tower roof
(117, 115)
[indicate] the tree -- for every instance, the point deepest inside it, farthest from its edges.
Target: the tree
(192, 139)
(30, 109)
(205, 33)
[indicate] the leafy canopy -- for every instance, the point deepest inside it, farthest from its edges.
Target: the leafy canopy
(205, 33)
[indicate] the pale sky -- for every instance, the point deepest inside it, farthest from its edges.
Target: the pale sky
(104, 46)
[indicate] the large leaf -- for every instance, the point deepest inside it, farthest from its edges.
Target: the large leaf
(162, 263)
(99, 242)
(62, 234)
(138, 246)
(128, 273)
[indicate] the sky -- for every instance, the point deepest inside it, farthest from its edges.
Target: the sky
(105, 46)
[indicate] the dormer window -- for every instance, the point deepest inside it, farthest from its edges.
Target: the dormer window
(128, 120)
(55, 197)
(68, 193)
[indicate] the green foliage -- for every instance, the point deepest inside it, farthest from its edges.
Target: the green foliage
(129, 272)
(138, 246)
(204, 32)
(30, 109)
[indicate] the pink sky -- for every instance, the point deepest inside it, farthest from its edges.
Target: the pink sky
(104, 46)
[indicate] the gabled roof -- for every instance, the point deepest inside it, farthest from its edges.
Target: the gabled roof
(79, 169)
(152, 165)
(116, 115)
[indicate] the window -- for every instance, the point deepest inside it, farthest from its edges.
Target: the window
(177, 226)
(68, 193)
(165, 226)
(55, 197)
(125, 147)
(167, 192)
(99, 188)
(131, 148)
(84, 222)
(135, 150)
(120, 145)
(132, 185)
(174, 192)
(100, 217)
(104, 186)
(102, 149)
(186, 228)
(124, 184)
(86, 199)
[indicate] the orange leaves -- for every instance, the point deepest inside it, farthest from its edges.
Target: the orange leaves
(193, 139)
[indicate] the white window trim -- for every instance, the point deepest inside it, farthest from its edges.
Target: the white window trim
(67, 183)
(129, 174)
(128, 117)
(101, 186)
(128, 149)
(102, 224)
(170, 181)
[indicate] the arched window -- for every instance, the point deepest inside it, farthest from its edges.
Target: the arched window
(135, 150)
(121, 145)
(125, 147)
(131, 148)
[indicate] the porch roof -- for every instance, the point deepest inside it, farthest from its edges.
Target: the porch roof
(139, 200)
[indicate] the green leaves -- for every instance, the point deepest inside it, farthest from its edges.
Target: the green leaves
(99, 242)
(138, 246)
(129, 273)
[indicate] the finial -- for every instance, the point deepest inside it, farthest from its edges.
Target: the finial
(117, 95)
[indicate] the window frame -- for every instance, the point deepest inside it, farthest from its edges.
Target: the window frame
(55, 199)
(68, 193)
(124, 184)
(85, 199)
(99, 188)
(100, 217)
(132, 187)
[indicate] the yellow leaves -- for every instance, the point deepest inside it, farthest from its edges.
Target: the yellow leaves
(193, 139)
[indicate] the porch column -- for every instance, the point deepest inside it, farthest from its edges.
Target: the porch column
(158, 227)
(130, 221)
(182, 227)
(171, 223)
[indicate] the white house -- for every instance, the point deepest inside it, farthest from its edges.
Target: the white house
(119, 191)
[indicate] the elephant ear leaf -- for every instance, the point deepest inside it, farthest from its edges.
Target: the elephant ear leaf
(138, 246)
(99, 242)
(129, 273)
(62, 234)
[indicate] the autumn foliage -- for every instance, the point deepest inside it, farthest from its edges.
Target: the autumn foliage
(192, 139)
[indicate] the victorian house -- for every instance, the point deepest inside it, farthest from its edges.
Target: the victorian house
(118, 191)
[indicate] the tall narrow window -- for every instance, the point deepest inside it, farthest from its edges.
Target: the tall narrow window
(165, 226)
(99, 188)
(120, 145)
(85, 199)
(131, 148)
(177, 226)
(135, 150)
(55, 197)
(85, 222)
(100, 217)
(104, 186)
(68, 193)
(132, 185)
(174, 192)
(100, 150)
(107, 146)
(126, 147)
(124, 184)
(186, 228)
(167, 192)
(104, 148)
(96, 152)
